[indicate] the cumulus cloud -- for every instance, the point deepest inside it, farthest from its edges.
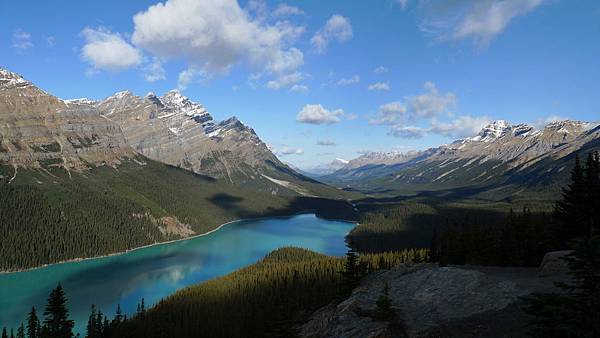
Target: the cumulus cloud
(462, 126)
(285, 150)
(21, 40)
(393, 113)
(317, 114)
(381, 86)
(154, 71)
(105, 50)
(284, 10)
(480, 20)
(337, 28)
(408, 132)
(214, 35)
(406, 118)
(432, 103)
(188, 76)
(349, 81)
(326, 143)
(284, 81)
(380, 70)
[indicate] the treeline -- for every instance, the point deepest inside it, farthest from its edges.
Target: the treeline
(266, 299)
(522, 239)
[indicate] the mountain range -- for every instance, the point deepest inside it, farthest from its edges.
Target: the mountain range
(502, 161)
(39, 130)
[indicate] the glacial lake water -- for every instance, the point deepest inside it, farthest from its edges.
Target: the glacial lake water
(157, 271)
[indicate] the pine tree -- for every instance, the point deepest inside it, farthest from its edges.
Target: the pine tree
(21, 331)
(569, 212)
(119, 318)
(350, 273)
(384, 310)
(56, 316)
(4, 334)
(33, 324)
(92, 327)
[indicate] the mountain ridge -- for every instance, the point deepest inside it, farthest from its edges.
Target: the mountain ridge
(497, 155)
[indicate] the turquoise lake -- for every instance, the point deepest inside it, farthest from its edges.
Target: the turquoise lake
(155, 272)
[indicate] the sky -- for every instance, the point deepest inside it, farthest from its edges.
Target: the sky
(320, 80)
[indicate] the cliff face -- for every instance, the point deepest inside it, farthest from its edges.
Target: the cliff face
(177, 131)
(432, 301)
(40, 130)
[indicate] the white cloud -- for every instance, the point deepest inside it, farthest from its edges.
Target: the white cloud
(542, 122)
(349, 81)
(380, 70)
(154, 71)
(480, 20)
(382, 86)
(317, 114)
(463, 126)
(284, 81)
(403, 117)
(284, 10)
(298, 88)
(408, 132)
(105, 50)
(337, 28)
(326, 143)
(393, 113)
(21, 40)
(432, 103)
(191, 74)
(214, 35)
(285, 150)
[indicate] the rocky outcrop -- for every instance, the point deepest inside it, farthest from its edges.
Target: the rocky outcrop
(554, 263)
(39, 130)
(427, 297)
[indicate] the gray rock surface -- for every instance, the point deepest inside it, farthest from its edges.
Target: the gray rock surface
(427, 297)
(554, 263)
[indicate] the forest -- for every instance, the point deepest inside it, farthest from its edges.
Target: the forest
(266, 299)
(50, 215)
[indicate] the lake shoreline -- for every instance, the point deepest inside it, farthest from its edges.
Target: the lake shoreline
(80, 259)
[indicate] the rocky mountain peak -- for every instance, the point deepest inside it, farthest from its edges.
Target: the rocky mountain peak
(492, 131)
(10, 79)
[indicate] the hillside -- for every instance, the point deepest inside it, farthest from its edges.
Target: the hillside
(502, 162)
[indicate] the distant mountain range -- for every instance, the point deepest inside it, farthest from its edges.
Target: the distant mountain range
(38, 130)
(502, 161)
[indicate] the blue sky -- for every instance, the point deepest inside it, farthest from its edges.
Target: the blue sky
(320, 80)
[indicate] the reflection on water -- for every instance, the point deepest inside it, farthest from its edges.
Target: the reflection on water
(155, 272)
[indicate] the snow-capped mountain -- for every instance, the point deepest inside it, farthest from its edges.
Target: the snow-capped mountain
(499, 154)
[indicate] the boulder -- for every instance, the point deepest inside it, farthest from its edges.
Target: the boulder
(554, 263)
